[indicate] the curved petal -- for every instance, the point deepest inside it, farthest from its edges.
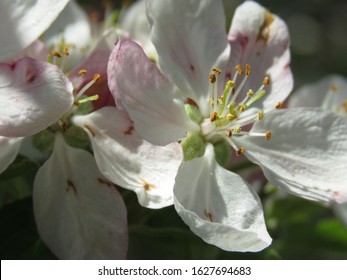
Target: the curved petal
(127, 160)
(134, 20)
(9, 150)
(306, 155)
(328, 93)
(33, 95)
(219, 206)
(22, 22)
(148, 96)
(79, 214)
(190, 39)
(261, 39)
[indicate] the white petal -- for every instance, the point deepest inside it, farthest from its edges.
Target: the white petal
(219, 206)
(9, 150)
(33, 94)
(328, 93)
(127, 160)
(190, 39)
(22, 22)
(307, 154)
(148, 96)
(134, 20)
(79, 214)
(261, 39)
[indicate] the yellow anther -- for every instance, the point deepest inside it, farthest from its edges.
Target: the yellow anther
(239, 69)
(56, 53)
(241, 107)
(230, 84)
(231, 117)
(240, 151)
(333, 88)
(268, 135)
(248, 69)
(344, 105)
(212, 78)
(211, 102)
(217, 70)
(66, 51)
(250, 93)
(82, 72)
(213, 116)
(229, 132)
(237, 130)
(266, 81)
(96, 77)
(260, 115)
(279, 105)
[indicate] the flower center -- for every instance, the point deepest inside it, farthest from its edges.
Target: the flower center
(231, 115)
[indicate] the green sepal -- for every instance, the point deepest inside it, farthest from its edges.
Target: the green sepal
(222, 152)
(193, 146)
(76, 137)
(193, 113)
(43, 141)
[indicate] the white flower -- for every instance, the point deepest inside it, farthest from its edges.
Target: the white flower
(330, 94)
(201, 96)
(79, 213)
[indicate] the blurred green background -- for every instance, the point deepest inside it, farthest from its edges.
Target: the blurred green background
(300, 229)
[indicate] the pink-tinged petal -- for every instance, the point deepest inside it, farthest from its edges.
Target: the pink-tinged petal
(9, 150)
(127, 160)
(22, 22)
(36, 50)
(190, 39)
(149, 98)
(328, 93)
(219, 206)
(33, 95)
(261, 39)
(307, 153)
(79, 214)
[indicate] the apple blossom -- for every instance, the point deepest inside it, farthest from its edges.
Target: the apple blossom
(209, 88)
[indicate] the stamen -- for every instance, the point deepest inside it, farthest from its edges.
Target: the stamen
(96, 77)
(229, 132)
(248, 69)
(279, 105)
(88, 99)
(212, 78)
(239, 69)
(56, 54)
(66, 51)
(260, 115)
(268, 135)
(82, 72)
(217, 70)
(266, 81)
(240, 151)
(87, 86)
(344, 105)
(214, 116)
